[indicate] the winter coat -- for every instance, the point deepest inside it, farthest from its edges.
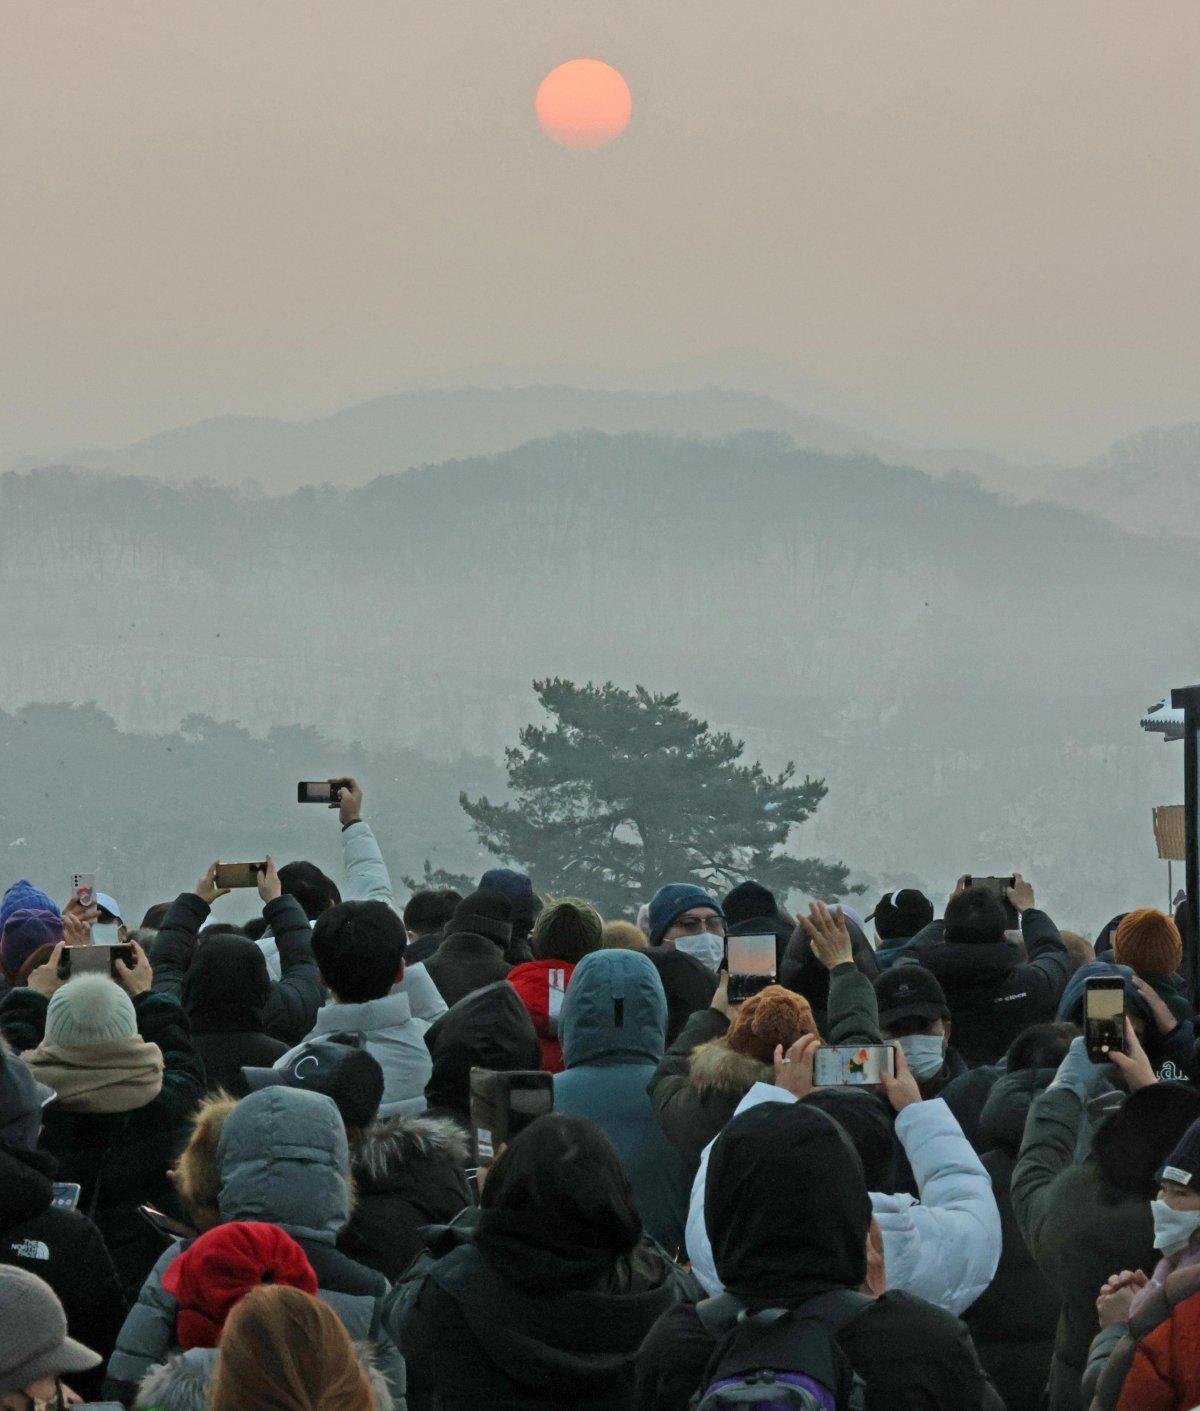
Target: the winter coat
(993, 992)
(532, 982)
(391, 1035)
(185, 1382)
(803, 972)
(699, 1083)
(614, 1024)
(120, 1159)
(465, 962)
(1078, 1230)
(688, 982)
(488, 1028)
(1013, 1321)
(62, 1247)
(408, 1172)
(482, 1341)
(943, 1248)
(1155, 1365)
(282, 1158)
(292, 1001)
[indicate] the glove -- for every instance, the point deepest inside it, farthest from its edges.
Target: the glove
(1077, 1073)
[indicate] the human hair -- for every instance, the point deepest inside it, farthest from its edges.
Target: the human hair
(305, 881)
(1040, 1046)
(155, 915)
(1079, 948)
(567, 930)
(975, 916)
(223, 928)
(359, 949)
(283, 1350)
(428, 911)
(197, 1179)
(623, 935)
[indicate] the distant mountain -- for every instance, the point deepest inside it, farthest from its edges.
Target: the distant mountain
(1148, 483)
(967, 674)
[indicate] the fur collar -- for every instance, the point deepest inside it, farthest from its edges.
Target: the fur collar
(715, 1067)
(184, 1383)
(403, 1140)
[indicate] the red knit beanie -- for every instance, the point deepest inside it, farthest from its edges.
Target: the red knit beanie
(223, 1265)
(1148, 940)
(773, 1016)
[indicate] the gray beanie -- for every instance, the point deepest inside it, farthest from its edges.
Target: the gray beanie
(90, 1009)
(33, 1333)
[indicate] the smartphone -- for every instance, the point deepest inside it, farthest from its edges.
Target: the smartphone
(83, 888)
(93, 960)
(239, 874)
(166, 1225)
(504, 1104)
(1104, 1017)
(997, 886)
(65, 1194)
(320, 791)
(837, 1067)
(751, 961)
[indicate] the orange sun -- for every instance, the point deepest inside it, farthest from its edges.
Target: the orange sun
(583, 103)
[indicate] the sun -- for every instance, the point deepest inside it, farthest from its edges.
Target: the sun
(584, 103)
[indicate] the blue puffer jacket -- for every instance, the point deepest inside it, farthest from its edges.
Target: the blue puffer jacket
(614, 1028)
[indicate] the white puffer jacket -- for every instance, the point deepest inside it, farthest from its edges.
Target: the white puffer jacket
(943, 1248)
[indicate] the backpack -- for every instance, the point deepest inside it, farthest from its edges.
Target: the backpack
(780, 1359)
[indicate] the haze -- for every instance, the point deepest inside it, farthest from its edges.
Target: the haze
(975, 222)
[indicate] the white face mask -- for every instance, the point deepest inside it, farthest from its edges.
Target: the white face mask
(707, 948)
(106, 935)
(1173, 1229)
(925, 1054)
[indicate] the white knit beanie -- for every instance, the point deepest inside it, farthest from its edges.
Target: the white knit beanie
(90, 1009)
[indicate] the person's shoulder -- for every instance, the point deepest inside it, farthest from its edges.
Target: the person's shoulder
(903, 1316)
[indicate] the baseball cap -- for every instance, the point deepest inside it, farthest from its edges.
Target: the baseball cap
(902, 913)
(334, 1065)
(909, 992)
(109, 904)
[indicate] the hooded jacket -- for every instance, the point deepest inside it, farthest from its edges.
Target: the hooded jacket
(993, 992)
(292, 1001)
(185, 1382)
(120, 1159)
(943, 1248)
(790, 1211)
(543, 1298)
(689, 986)
(465, 962)
(1155, 1365)
(1013, 1320)
(1172, 1055)
(542, 986)
(699, 1083)
(801, 971)
(224, 994)
(282, 1158)
(613, 1026)
(408, 1172)
(489, 1028)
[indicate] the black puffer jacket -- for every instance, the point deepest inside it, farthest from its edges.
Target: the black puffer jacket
(802, 972)
(465, 962)
(1013, 1322)
(488, 1028)
(409, 1172)
(225, 993)
(64, 1248)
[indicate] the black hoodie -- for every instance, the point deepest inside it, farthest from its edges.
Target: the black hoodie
(224, 994)
(489, 1028)
(786, 1204)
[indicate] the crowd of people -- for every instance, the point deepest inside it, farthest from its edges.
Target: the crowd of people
(239, 1165)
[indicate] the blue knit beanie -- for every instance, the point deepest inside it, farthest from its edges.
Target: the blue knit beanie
(672, 901)
(23, 933)
(24, 896)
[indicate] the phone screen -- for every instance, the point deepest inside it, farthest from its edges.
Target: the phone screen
(849, 1067)
(751, 961)
(1104, 1017)
(65, 1194)
(238, 874)
(93, 960)
(319, 791)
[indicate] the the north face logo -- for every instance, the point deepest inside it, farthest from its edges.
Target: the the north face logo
(30, 1249)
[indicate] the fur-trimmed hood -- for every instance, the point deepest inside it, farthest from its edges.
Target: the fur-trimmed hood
(184, 1382)
(399, 1142)
(715, 1067)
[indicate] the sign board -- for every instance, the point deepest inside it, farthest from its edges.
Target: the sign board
(1169, 832)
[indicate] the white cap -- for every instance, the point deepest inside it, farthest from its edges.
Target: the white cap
(106, 903)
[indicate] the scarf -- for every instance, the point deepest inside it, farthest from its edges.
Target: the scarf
(115, 1075)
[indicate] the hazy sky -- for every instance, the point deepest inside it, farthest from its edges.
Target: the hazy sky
(980, 218)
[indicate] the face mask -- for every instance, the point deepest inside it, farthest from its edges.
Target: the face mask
(1172, 1228)
(924, 1053)
(707, 948)
(106, 935)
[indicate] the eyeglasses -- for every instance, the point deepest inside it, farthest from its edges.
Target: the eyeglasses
(694, 925)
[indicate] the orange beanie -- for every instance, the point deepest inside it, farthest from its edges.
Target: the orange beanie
(1148, 940)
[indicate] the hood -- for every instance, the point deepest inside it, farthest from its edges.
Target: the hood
(226, 986)
(24, 1184)
(615, 1010)
(489, 1028)
(714, 1067)
(282, 1157)
(688, 983)
(801, 971)
(1070, 1007)
(397, 1144)
(786, 1205)
(1002, 1121)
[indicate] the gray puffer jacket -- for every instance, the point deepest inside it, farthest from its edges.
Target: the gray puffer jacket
(282, 1158)
(185, 1382)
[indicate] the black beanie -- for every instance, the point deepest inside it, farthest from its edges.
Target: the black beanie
(484, 914)
(749, 901)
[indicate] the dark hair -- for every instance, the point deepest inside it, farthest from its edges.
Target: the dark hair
(976, 916)
(868, 1124)
(428, 911)
(305, 881)
(1040, 1046)
(359, 949)
(568, 929)
(1131, 1144)
(223, 928)
(256, 927)
(155, 916)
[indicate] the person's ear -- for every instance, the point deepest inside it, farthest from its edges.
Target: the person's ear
(399, 974)
(875, 1283)
(947, 1031)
